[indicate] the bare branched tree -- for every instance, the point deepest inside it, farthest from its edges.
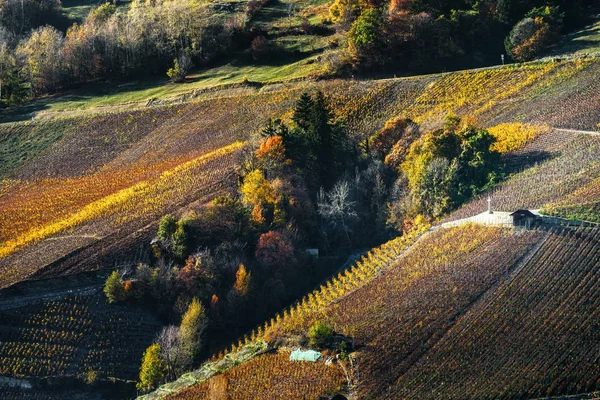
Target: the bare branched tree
(337, 207)
(172, 351)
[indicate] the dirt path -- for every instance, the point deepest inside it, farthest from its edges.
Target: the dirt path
(19, 301)
(576, 131)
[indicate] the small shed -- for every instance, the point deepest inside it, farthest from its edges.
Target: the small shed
(524, 218)
(304, 355)
(313, 252)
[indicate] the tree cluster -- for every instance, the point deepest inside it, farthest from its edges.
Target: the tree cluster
(436, 171)
(428, 35)
(147, 39)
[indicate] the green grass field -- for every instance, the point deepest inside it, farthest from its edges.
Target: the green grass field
(138, 93)
(78, 10)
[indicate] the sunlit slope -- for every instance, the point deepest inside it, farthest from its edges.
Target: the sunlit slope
(57, 169)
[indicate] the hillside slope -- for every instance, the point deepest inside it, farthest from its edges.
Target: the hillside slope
(90, 172)
(536, 335)
(469, 312)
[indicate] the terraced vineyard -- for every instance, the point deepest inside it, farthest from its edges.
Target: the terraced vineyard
(73, 336)
(536, 335)
(404, 311)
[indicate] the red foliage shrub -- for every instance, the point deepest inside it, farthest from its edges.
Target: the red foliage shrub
(274, 248)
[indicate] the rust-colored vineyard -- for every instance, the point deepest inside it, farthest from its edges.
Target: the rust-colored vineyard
(270, 376)
(407, 306)
(534, 336)
(406, 310)
(59, 169)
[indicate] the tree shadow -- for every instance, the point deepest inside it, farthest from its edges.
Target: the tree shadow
(519, 161)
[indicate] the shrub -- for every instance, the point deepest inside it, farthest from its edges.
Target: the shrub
(167, 227)
(91, 377)
(319, 334)
(113, 288)
(181, 67)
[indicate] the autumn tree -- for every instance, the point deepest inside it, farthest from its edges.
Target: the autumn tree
(271, 155)
(192, 275)
(152, 371)
(274, 249)
(42, 59)
(181, 67)
(242, 281)
(344, 12)
(256, 189)
(257, 192)
(193, 324)
(532, 35)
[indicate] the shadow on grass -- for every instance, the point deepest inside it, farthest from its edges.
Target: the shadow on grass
(91, 95)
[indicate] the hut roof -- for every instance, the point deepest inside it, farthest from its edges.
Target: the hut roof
(302, 355)
(523, 213)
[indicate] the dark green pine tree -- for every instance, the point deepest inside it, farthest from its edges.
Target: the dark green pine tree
(303, 111)
(321, 134)
(270, 129)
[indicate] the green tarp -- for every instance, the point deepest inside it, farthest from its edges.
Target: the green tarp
(301, 355)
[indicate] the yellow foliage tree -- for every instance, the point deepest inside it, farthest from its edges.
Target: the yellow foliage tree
(192, 326)
(256, 189)
(242, 280)
(152, 371)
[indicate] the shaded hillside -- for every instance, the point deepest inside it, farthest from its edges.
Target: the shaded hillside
(65, 330)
